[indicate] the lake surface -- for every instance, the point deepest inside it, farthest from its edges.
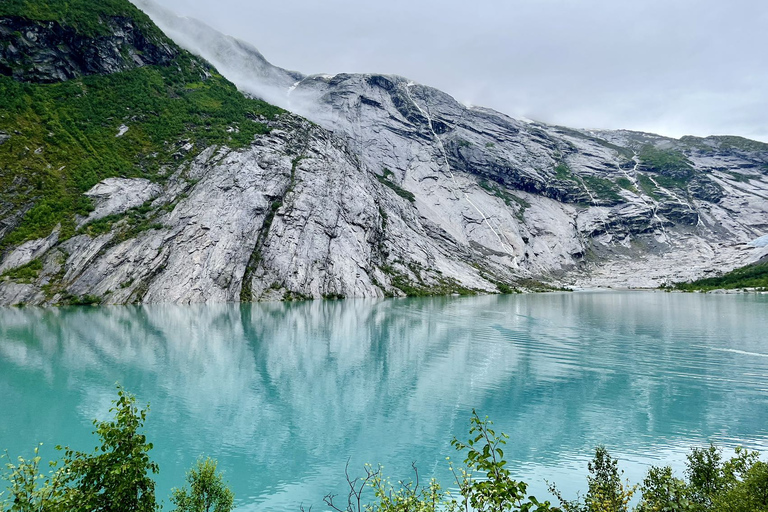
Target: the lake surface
(284, 394)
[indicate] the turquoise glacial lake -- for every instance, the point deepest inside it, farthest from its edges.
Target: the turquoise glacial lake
(283, 395)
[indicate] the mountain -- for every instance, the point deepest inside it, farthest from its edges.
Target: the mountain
(132, 171)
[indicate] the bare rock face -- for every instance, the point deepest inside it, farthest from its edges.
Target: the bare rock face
(114, 196)
(396, 189)
(36, 51)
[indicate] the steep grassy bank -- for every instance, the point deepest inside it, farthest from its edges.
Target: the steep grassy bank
(60, 139)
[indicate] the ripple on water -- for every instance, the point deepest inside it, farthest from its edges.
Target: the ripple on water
(284, 394)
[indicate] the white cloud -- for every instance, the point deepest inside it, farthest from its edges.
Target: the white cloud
(672, 67)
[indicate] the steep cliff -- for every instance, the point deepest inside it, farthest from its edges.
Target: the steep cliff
(159, 182)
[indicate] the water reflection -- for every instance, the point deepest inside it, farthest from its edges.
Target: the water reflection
(283, 394)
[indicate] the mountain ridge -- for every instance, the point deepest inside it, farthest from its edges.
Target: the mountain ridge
(391, 188)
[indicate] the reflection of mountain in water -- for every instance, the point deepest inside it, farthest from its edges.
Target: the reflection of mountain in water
(282, 394)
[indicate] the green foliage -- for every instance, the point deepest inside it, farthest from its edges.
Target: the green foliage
(495, 489)
(737, 176)
(750, 276)
(30, 490)
(407, 496)
(738, 143)
(79, 300)
(206, 490)
(25, 273)
(134, 221)
(626, 184)
(64, 136)
(667, 162)
(603, 188)
(662, 492)
(116, 476)
(563, 172)
(626, 152)
(648, 186)
(85, 16)
(414, 284)
(605, 492)
(739, 484)
(386, 180)
(671, 182)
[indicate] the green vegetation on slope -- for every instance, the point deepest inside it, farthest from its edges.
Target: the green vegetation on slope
(84, 16)
(602, 188)
(386, 180)
(63, 137)
(666, 162)
(750, 276)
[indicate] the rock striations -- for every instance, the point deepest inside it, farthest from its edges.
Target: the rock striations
(390, 188)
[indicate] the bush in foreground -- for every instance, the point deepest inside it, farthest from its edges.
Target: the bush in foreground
(117, 477)
(711, 484)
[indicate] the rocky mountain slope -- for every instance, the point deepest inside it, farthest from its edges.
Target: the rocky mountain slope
(394, 188)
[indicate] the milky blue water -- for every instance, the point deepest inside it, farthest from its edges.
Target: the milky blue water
(284, 394)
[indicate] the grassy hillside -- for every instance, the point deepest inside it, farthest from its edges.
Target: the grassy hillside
(751, 276)
(64, 136)
(85, 16)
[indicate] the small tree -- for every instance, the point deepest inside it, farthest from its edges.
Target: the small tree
(115, 478)
(29, 490)
(605, 492)
(206, 491)
(496, 490)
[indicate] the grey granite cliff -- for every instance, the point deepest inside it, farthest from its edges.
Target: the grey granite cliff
(395, 188)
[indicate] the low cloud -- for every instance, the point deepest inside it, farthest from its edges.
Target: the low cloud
(685, 67)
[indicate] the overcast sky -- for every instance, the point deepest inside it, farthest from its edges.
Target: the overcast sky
(673, 67)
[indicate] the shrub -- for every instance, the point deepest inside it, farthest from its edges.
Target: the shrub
(206, 490)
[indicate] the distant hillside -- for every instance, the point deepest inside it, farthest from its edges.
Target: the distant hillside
(749, 276)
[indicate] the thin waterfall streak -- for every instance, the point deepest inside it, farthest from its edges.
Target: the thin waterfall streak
(447, 165)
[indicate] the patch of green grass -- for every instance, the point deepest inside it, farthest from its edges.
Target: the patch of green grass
(135, 220)
(85, 16)
(63, 136)
(79, 300)
(506, 289)
(25, 273)
(626, 152)
(563, 172)
(669, 182)
(750, 276)
(648, 186)
(739, 143)
(666, 162)
(386, 180)
(420, 288)
(737, 176)
(603, 188)
(626, 184)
